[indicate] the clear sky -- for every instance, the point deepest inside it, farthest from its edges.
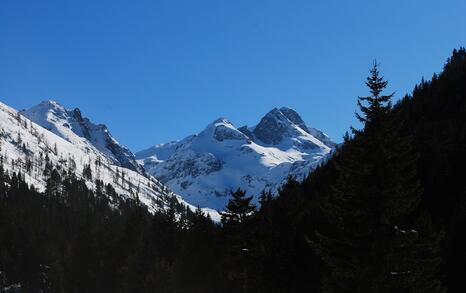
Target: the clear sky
(156, 71)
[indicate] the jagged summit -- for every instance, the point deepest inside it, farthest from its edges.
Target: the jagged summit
(221, 120)
(282, 123)
(294, 117)
(29, 148)
(50, 104)
(275, 125)
(222, 130)
(73, 127)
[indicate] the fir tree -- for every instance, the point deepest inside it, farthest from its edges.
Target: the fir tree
(87, 172)
(238, 209)
(375, 106)
(237, 239)
(53, 184)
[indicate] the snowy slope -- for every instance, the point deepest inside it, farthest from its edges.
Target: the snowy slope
(205, 167)
(70, 125)
(25, 145)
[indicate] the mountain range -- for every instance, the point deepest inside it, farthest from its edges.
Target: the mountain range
(49, 136)
(199, 170)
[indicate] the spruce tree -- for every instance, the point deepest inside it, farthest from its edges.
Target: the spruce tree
(53, 184)
(87, 172)
(237, 240)
(238, 209)
(375, 106)
(2, 179)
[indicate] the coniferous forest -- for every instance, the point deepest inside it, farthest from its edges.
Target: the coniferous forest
(387, 213)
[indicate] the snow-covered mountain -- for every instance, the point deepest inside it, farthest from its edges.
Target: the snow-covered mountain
(62, 138)
(73, 127)
(204, 168)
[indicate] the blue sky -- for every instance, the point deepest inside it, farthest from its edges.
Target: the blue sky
(156, 71)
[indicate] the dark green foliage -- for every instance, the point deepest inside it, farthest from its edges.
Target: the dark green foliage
(238, 209)
(435, 116)
(374, 107)
(53, 186)
(237, 236)
(87, 172)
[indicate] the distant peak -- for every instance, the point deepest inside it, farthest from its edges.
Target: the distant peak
(274, 111)
(77, 112)
(49, 105)
(286, 110)
(284, 114)
(276, 123)
(280, 110)
(287, 115)
(73, 126)
(52, 103)
(222, 129)
(222, 120)
(294, 117)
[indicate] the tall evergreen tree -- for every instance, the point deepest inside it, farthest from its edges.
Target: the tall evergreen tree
(238, 209)
(237, 240)
(375, 106)
(53, 184)
(87, 172)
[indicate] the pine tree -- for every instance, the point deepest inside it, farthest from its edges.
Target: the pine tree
(2, 179)
(87, 172)
(413, 259)
(53, 184)
(237, 239)
(238, 209)
(375, 106)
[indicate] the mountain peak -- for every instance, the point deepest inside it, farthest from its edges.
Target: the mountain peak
(50, 104)
(294, 117)
(221, 120)
(77, 113)
(274, 113)
(276, 123)
(73, 127)
(283, 114)
(74, 154)
(222, 129)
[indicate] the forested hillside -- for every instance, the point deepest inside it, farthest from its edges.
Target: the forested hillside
(386, 214)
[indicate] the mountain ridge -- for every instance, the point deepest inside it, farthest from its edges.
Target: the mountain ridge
(61, 121)
(202, 168)
(32, 150)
